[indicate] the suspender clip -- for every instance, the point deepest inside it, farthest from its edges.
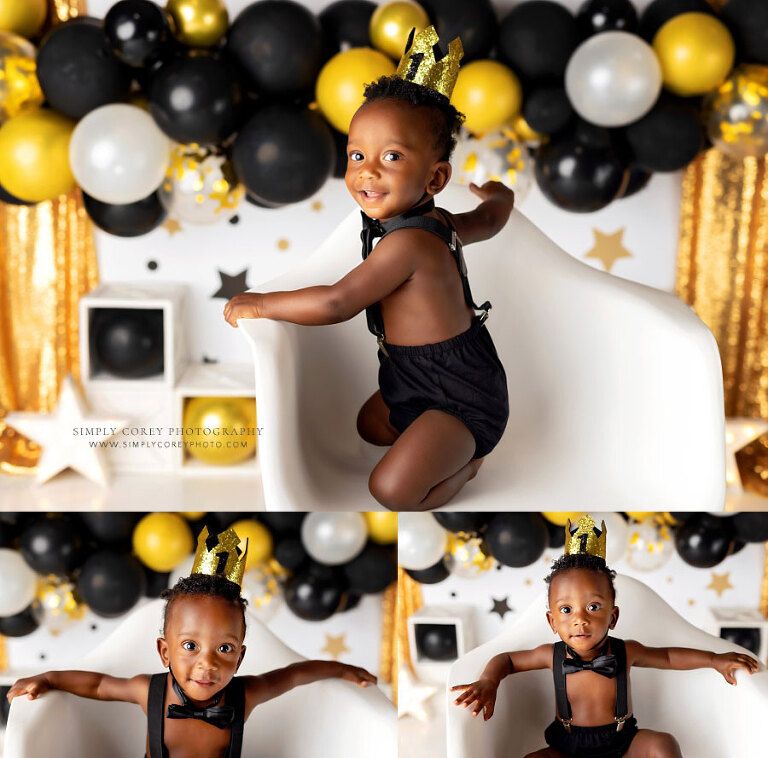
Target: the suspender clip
(566, 724)
(380, 340)
(620, 721)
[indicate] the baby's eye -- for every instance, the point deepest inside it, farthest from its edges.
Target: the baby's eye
(189, 645)
(355, 155)
(565, 609)
(392, 157)
(225, 648)
(593, 607)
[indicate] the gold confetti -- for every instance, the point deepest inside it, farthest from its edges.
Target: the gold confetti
(283, 244)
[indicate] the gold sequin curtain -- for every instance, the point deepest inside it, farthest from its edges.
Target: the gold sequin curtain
(764, 592)
(47, 262)
(388, 657)
(409, 600)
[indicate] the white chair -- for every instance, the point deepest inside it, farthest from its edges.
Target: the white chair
(709, 718)
(615, 387)
(331, 717)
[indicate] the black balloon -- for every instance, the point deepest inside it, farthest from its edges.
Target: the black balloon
(547, 110)
(111, 583)
(372, 571)
(284, 154)
(111, 526)
(536, 39)
(137, 31)
(53, 545)
(751, 526)
(340, 164)
(349, 601)
(436, 642)
(637, 180)
(290, 553)
(457, 521)
(283, 522)
(579, 177)
(315, 594)
(5, 706)
(746, 637)
(77, 70)
(595, 16)
(279, 44)
(7, 197)
(667, 138)
(704, 541)
(155, 582)
(127, 342)
(432, 575)
(20, 624)
(128, 220)
(660, 11)
(517, 539)
(8, 534)
(474, 21)
(737, 545)
(345, 24)
(556, 534)
(683, 516)
(195, 99)
(748, 22)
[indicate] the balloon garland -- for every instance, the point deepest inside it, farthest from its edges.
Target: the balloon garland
(277, 75)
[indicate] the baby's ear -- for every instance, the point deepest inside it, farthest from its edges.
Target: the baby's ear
(441, 175)
(162, 649)
(240, 659)
(614, 616)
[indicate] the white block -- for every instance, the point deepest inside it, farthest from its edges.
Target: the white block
(748, 619)
(457, 616)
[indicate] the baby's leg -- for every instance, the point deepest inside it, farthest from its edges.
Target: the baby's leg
(547, 752)
(427, 464)
(373, 422)
(650, 744)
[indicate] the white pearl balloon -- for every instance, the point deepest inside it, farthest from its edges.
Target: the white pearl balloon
(334, 538)
(421, 541)
(18, 583)
(118, 154)
(618, 532)
(613, 78)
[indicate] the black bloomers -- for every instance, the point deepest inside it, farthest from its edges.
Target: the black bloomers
(462, 376)
(591, 741)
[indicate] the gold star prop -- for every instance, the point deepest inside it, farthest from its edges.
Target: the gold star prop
(335, 646)
(608, 248)
(172, 226)
(739, 432)
(412, 696)
(720, 583)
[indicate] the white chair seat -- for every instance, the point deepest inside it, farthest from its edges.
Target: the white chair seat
(709, 718)
(328, 718)
(615, 387)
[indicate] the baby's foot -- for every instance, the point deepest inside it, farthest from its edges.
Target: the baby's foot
(474, 467)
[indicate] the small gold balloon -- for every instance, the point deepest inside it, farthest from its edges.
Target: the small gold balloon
(198, 23)
(382, 527)
(259, 541)
(162, 541)
(220, 430)
(23, 17)
(391, 24)
(696, 52)
(19, 87)
(561, 518)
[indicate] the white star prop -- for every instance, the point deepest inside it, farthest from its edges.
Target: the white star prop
(739, 432)
(69, 436)
(412, 696)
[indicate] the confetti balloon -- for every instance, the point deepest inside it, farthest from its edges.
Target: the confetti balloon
(19, 88)
(58, 605)
(220, 430)
(200, 188)
(391, 24)
(262, 591)
(466, 557)
(650, 545)
(736, 113)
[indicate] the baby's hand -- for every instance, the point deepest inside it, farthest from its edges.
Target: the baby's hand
(32, 687)
(357, 675)
(494, 190)
(244, 305)
(482, 692)
(728, 663)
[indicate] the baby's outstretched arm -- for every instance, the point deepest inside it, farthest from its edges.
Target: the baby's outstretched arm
(483, 692)
(685, 658)
(489, 217)
(88, 684)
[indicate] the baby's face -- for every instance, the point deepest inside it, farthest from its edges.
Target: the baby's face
(581, 609)
(391, 158)
(203, 644)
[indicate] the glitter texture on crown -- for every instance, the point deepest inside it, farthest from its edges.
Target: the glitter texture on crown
(220, 555)
(424, 63)
(585, 538)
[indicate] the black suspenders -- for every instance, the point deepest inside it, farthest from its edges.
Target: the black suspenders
(561, 698)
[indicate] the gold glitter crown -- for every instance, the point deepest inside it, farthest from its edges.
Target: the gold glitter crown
(220, 555)
(424, 63)
(585, 538)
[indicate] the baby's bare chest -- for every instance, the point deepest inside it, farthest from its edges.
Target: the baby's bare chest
(187, 738)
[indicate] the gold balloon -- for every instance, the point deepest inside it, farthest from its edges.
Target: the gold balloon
(560, 518)
(640, 515)
(220, 430)
(259, 541)
(340, 85)
(19, 88)
(382, 527)
(520, 130)
(736, 113)
(391, 24)
(198, 23)
(34, 155)
(488, 94)
(23, 17)
(192, 515)
(696, 52)
(162, 541)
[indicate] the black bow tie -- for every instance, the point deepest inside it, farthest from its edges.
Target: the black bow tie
(220, 716)
(603, 664)
(372, 228)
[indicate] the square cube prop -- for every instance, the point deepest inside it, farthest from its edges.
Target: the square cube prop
(437, 636)
(742, 626)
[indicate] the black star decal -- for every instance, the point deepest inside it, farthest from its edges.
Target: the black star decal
(206, 359)
(231, 285)
(500, 606)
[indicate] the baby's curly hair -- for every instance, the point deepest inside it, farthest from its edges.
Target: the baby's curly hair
(204, 585)
(583, 561)
(445, 119)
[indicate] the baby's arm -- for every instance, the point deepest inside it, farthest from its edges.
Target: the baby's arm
(685, 658)
(483, 691)
(259, 689)
(88, 684)
(489, 217)
(386, 268)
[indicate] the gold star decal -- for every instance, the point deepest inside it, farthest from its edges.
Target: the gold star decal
(335, 646)
(720, 583)
(283, 244)
(317, 205)
(171, 225)
(608, 248)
